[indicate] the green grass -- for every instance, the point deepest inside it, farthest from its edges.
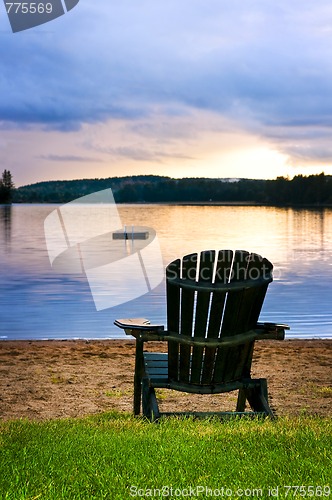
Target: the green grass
(115, 456)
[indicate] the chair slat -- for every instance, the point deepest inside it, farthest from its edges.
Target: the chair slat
(189, 271)
(206, 268)
(251, 297)
(173, 270)
(153, 371)
(226, 358)
(155, 356)
(222, 274)
(252, 302)
(266, 269)
(230, 325)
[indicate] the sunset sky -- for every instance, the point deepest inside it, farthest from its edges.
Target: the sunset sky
(185, 88)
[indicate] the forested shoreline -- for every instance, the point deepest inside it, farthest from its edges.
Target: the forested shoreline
(301, 190)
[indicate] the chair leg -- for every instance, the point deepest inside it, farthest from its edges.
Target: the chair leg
(258, 398)
(149, 401)
(241, 400)
(146, 398)
(154, 405)
(138, 376)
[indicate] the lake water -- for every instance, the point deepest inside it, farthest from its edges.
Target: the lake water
(38, 302)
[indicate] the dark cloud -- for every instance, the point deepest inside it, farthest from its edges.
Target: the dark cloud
(70, 158)
(262, 65)
(138, 154)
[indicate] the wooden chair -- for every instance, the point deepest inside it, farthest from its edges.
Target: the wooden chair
(213, 305)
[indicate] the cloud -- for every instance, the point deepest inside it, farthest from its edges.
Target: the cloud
(264, 68)
(217, 57)
(138, 154)
(69, 158)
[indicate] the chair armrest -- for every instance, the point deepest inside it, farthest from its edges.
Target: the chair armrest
(137, 324)
(271, 331)
(141, 328)
(263, 331)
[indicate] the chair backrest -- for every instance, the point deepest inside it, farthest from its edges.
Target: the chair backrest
(214, 295)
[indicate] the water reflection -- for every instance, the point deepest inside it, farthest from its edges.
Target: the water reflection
(37, 302)
(5, 225)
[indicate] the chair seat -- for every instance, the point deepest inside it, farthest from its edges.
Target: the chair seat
(156, 368)
(156, 371)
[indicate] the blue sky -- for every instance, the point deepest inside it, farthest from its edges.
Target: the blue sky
(192, 88)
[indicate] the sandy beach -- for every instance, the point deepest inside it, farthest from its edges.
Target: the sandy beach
(58, 379)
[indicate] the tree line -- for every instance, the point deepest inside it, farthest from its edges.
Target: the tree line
(301, 190)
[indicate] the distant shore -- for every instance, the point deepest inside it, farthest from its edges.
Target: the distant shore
(312, 190)
(312, 206)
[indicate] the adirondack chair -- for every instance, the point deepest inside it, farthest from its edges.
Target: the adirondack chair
(213, 304)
